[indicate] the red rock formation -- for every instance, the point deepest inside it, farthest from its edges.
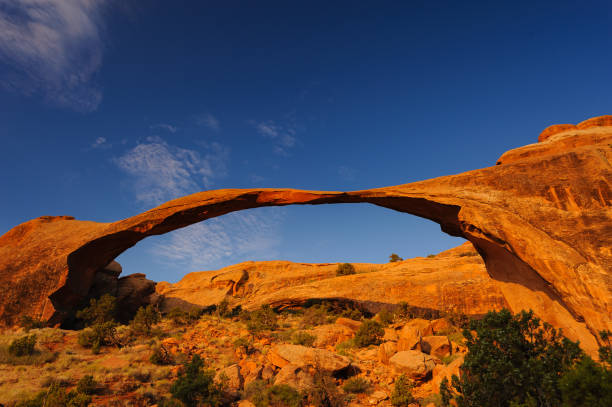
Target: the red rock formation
(541, 219)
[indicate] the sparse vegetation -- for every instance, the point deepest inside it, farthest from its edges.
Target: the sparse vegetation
(356, 385)
(23, 346)
(144, 320)
(99, 310)
(56, 396)
(513, 360)
(394, 258)
(263, 319)
(161, 356)
(369, 333)
(302, 338)
(324, 392)
(195, 386)
(402, 392)
(345, 269)
(28, 323)
(98, 335)
(386, 317)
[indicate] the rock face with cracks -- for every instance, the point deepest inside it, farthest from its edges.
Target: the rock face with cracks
(541, 219)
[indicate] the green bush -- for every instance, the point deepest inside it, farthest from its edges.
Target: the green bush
(369, 333)
(56, 396)
(23, 346)
(195, 386)
(402, 392)
(283, 395)
(345, 269)
(394, 258)
(303, 338)
(263, 319)
(160, 356)
(98, 335)
(180, 317)
(356, 385)
(87, 385)
(144, 320)
(588, 384)
(314, 316)
(386, 317)
(99, 311)
(324, 392)
(511, 361)
(28, 323)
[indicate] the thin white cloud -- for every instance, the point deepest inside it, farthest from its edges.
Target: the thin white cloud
(284, 136)
(215, 242)
(53, 48)
(161, 172)
(100, 143)
(164, 126)
(209, 121)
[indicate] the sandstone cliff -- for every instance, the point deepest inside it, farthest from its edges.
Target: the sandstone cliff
(541, 219)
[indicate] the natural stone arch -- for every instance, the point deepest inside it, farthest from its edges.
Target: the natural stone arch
(545, 238)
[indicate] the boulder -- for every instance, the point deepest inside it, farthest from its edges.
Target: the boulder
(390, 335)
(385, 351)
(349, 323)
(294, 376)
(134, 291)
(416, 365)
(440, 325)
(331, 334)
(438, 346)
(231, 377)
(411, 333)
(302, 356)
(446, 371)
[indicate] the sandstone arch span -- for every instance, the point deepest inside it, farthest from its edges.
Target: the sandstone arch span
(541, 219)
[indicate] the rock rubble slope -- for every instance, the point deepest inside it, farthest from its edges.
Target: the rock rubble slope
(541, 219)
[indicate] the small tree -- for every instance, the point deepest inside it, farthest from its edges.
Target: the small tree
(28, 323)
(98, 335)
(23, 346)
(144, 320)
(394, 258)
(402, 392)
(195, 386)
(99, 311)
(345, 269)
(369, 333)
(511, 360)
(263, 319)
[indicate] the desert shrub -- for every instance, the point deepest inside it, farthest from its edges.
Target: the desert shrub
(56, 396)
(303, 338)
(195, 386)
(369, 333)
(87, 385)
(356, 385)
(431, 256)
(345, 269)
(263, 319)
(23, 346)
(402, 392)
(160, 356)
(587, 384)
(99, 310)
(28, 323)
(605, 351)
(315, 315)
(170, 403)
(511, 361)
(144, 320)
(394, 258)
(98, 335)
(324, 392)
(457, 318)
(256, 393)
(245, 344)
(181, 317)
(386, 317)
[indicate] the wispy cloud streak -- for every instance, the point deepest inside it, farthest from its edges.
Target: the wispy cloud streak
(284, 137)
(52, 47)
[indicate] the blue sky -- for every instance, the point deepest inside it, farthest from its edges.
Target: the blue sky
(107, 110)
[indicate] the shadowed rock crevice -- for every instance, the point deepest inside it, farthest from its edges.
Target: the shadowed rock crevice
(542, 219)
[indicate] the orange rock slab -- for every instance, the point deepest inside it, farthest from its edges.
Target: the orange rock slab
(541, 219)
